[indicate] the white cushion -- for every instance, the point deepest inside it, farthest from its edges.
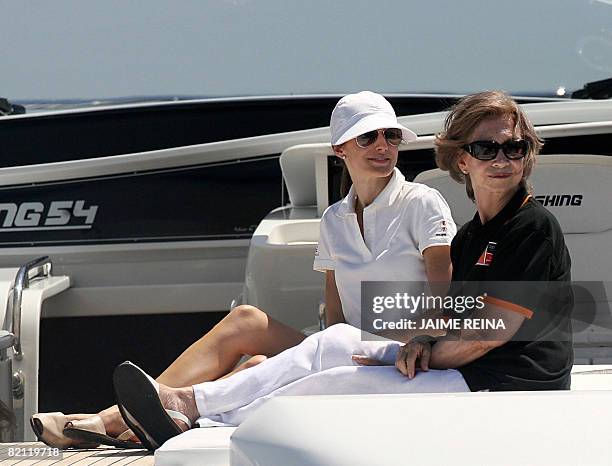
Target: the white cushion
(298, 167)
(561, 428)
(596, 377)
(209, 446)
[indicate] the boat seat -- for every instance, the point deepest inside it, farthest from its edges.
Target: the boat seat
(576, 189)
(592, 377)
(211, 445)
(492, 428)
(207, 445)
(298, 167)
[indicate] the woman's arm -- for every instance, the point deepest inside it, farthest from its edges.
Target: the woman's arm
(453, 354)
(450, 354)
(438, 268)
(333, 305)
(473, 344)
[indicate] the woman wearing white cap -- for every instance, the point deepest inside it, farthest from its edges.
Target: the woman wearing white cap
(384, 229)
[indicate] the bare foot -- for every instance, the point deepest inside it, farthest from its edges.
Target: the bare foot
(181, 400)
(113, 422)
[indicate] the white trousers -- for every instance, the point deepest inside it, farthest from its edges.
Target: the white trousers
(320, 365)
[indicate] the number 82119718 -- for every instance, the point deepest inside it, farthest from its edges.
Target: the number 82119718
(23, 452)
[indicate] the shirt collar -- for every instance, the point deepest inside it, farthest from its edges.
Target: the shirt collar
(513, 205)
(386, 197)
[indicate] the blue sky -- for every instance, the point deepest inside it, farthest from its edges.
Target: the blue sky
(98, 49)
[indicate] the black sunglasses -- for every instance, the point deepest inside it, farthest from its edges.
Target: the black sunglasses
(487, 150)
(392, 135)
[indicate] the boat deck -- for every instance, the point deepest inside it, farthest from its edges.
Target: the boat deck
(37, 453)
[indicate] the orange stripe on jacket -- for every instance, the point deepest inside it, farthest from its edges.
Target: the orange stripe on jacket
(525, 200)
(507, 305)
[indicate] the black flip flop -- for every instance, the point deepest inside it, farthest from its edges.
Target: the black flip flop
(88, 436)
(140, 406)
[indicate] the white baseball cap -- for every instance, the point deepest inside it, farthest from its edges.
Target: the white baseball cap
(356, 114)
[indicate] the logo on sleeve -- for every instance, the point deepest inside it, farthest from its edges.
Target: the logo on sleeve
(487, 255)
(443, 231)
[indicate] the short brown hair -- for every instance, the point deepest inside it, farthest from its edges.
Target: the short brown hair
(463, 119)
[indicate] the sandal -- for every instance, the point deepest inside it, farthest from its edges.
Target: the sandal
(137, 396)
(91, 431)
(63, 431)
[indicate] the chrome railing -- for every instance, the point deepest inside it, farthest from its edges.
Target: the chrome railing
(40, 267)
(12, 383)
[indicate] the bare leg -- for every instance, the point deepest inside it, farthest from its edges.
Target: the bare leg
(245, 330)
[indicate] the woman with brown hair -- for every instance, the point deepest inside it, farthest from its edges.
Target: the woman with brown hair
(489, 144)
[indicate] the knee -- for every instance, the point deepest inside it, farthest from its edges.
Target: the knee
(246, 318)
(339, 332)
(342, 329)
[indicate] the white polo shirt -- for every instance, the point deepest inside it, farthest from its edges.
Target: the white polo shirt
(405, 219)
